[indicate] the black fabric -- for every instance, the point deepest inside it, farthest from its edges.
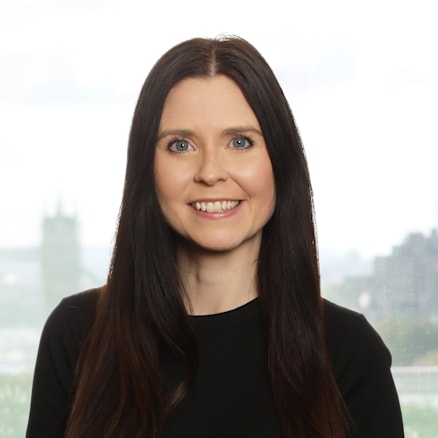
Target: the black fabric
(231, 396)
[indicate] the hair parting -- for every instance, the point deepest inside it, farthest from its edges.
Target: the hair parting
(141, 320)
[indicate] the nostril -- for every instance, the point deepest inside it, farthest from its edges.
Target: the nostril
(210, 177)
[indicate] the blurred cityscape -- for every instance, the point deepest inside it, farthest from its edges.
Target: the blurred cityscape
(34, 280)
(393, 291)
(399, 296)
(398, 293)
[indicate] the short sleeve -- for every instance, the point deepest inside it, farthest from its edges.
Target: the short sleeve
(58, 351)
(362, 366)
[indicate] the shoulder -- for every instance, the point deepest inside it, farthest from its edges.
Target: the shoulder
(361, 363)
(78, 309)
(70, 321)
(61, 340)
(82, 304)
(350, 336)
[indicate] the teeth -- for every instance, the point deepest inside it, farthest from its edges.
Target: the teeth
(215, 207)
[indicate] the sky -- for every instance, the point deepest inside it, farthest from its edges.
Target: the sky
(361, 79)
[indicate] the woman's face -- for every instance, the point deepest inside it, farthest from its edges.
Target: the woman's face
(213, 175)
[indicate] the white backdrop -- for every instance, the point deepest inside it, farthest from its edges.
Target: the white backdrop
(361, 78)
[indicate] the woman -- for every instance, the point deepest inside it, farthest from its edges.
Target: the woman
(211, 323)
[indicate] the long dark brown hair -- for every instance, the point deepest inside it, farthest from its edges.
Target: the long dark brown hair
(120, 387)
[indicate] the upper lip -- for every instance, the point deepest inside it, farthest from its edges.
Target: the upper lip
(214, 200)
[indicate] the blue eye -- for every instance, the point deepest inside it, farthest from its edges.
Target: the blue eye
(241, 142)
(179, 146)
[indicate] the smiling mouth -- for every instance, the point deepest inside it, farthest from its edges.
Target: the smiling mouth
(216, 206)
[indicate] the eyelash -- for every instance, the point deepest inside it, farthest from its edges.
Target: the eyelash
(247, 139)
(172, 144)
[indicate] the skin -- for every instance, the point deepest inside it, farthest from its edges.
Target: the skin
(211, 150)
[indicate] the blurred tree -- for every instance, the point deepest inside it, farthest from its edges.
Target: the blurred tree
(428, 360)
(408, 340)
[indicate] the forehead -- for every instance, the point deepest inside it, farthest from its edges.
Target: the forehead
(215, 99)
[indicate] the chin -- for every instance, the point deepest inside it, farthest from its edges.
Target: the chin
(226, 244)
(216, 247)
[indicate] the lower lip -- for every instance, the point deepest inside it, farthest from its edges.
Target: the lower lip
(218, 215)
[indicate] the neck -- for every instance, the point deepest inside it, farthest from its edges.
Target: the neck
(215, 282)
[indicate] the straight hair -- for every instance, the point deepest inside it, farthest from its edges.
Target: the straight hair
(120, 388)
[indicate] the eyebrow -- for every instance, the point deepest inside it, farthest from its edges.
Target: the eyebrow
(180, 132)
(240, 129)
(229, 131)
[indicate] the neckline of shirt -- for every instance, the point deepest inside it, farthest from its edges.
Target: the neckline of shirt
(218, 321)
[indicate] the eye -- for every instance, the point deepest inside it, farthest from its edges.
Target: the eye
(179, 146)
(241, 142)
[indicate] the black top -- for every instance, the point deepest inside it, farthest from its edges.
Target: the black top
(231, 396)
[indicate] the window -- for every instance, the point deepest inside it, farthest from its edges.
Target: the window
(362, 81)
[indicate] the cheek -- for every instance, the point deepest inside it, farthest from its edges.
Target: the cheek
(171, 180)
(266, 188)
(268, 193)
(259, 180)
(164, 183)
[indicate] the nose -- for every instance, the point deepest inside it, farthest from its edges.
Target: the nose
(211, 167)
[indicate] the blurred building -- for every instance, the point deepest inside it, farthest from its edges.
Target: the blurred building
(34, 279)
(403, 285)
(20, 278)
(60, 257)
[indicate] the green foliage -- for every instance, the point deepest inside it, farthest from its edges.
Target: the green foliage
(420, 422)
(14, 404)
(429, 359)
(408, 340)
